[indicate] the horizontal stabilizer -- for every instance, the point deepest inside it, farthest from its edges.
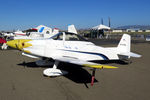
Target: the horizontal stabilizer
(135, 55)
(72, 29)
(128, 55)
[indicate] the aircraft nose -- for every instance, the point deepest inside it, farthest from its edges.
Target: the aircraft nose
(12, 43)
(19, 44)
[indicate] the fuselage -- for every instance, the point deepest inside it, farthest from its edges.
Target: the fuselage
(82, 50)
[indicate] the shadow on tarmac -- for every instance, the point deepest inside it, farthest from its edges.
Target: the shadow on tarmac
(76, 73)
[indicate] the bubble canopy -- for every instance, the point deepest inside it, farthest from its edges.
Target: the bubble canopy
(68, 36)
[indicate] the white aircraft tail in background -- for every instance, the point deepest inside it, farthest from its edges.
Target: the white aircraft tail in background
(72, 29)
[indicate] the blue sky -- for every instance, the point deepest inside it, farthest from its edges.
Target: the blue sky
(24, 14)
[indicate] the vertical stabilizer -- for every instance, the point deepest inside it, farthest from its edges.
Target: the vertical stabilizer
(124, 47)
(124, 44)
(72, 29)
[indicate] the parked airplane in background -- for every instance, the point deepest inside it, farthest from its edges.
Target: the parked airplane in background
(37, 35)
(72, 48)
(45, 32)
(40, 31)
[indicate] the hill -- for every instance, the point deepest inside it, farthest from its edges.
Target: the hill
(142, 27)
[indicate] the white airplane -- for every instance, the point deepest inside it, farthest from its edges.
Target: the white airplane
(72, 48)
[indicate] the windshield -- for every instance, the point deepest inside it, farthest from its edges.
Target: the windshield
(68, 37)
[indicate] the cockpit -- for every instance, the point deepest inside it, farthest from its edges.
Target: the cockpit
(68, 36)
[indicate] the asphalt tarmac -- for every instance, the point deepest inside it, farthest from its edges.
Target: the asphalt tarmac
(21, 79)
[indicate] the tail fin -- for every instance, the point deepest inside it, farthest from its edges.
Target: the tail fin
(125, 44)
(72, 29)
(124, 47)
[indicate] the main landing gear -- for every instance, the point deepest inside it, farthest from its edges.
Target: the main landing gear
(52, 72)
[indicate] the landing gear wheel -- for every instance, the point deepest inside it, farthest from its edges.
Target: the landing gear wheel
(52, 72)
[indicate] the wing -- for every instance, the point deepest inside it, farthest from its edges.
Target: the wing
(83, 63)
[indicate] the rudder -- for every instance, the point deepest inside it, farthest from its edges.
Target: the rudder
(124, 44)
